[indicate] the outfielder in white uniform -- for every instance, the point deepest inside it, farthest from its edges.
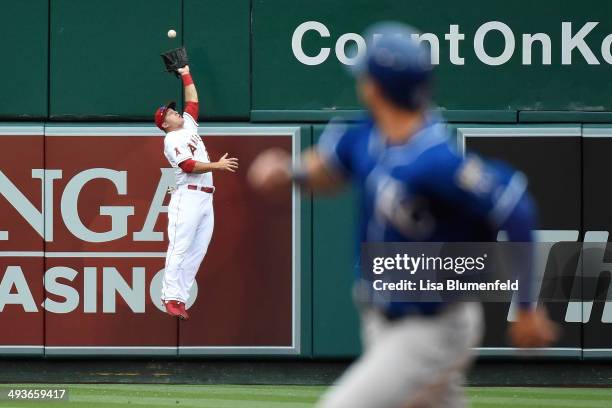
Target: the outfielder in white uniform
(190, 213)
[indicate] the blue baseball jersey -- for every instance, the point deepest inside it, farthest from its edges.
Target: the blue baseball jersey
(423, 190)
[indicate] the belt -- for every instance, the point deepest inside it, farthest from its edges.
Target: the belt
(201, 188)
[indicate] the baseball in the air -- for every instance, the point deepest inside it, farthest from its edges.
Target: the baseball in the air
(171, 34)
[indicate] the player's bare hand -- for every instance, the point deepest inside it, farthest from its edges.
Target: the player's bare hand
(270, 170)
(184, 70)
(227, 164)
(533, 328)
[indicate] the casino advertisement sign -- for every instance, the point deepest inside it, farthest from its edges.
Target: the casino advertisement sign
(83, 241)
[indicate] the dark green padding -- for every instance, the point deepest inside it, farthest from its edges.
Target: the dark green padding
(217, 37)
(335, 324)
(105, 57)
(281, 82)
(24, 29)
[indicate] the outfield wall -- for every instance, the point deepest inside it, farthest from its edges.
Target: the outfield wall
(273, 60)
(90, 224)
(276, 66)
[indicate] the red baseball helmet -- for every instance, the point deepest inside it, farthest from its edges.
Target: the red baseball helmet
(160, 113)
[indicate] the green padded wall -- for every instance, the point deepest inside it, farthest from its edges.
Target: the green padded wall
(281, 82)
(105, 65)
(217, 37)
(24, 28)
(105, 57)
(335, 324)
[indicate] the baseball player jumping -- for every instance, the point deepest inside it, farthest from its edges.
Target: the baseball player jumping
(413, 187)
(190, 213)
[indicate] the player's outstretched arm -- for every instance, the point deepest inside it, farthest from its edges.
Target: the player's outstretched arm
(224, 164)
(532, 328)
(191, 94)
(272, 170)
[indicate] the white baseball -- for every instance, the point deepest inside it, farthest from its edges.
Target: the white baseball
(171, 34)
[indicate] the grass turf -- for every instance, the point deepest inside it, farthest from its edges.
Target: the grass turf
(277, 396)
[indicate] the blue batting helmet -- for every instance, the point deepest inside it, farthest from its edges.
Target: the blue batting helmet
(399, 63)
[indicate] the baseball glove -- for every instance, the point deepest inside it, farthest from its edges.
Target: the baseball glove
(175, 59)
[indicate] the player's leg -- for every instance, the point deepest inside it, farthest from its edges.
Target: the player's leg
(198, 248)
(411, 361)
(373, 326)
(461, 330)
(183, 215)
(450, 393)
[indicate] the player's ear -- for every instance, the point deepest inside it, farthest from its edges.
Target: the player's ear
(366, 89)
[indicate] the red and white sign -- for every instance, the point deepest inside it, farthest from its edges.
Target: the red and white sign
(84, 211)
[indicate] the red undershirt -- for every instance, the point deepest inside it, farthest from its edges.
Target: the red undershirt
(192, 109)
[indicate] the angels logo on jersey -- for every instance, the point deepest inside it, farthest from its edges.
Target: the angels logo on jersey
(195, 139)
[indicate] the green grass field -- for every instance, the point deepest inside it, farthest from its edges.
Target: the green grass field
(277, 396)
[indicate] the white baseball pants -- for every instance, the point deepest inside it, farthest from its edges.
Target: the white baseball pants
(190, 227)
(411, 362)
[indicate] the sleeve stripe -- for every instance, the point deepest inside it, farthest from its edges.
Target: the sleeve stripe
(508, 199)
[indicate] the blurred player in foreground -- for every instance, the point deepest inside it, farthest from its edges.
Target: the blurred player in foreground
(190, 213)
(413, 187)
